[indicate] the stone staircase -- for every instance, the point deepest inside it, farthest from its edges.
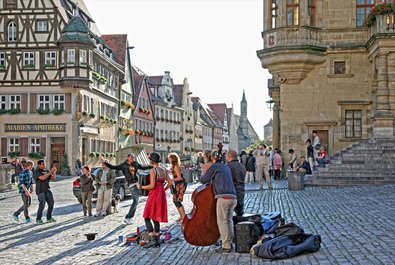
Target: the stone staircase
(367, 162)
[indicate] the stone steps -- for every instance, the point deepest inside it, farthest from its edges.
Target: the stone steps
(367, 162)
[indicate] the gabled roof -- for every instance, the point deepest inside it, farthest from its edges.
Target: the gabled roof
(155, 80)
(270, 123)
(219, 109)
(178, 91)
(138, 79)
(118, 44)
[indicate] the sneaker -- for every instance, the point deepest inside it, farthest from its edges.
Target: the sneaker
(128, 221)
(96, 215)
(28, 220)
(15, 217)
(103, 214)
(223, 250)
(39, 222)
(51, 220)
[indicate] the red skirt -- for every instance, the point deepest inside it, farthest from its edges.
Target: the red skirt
(156, 205)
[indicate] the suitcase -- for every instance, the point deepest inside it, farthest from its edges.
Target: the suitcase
(246, 236)
(143, 181)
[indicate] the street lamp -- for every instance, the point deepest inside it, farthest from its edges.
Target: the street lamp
(270, 103)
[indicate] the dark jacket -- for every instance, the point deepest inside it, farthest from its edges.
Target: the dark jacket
(130, 171)
(18, 168)
(306, 166)
(221, 177)
(86, 183)
(250, 167)
(310, 151)
(110, 178)
(238, 174)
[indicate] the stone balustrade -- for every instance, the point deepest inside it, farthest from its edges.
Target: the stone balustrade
(291, 36)
(383, 24)
(5, 176)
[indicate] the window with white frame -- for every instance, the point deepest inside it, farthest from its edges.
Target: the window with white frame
(70, 56)
(90, 58)
(92, 109)
(62, 57)
(2, 60)
(12, 31)
(82, 56)
(35, 145)
(59, 101)
(44, 101)
(15, 102)
(42, 26)
(13, 144)
(50, 59)
(125, 97)
(28, 59)
(3, 102)
(86, 103)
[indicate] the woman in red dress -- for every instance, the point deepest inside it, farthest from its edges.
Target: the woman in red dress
(180, 184)
(156, 205)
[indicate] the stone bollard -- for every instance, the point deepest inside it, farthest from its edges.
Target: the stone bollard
(5, 177)
(295, 181)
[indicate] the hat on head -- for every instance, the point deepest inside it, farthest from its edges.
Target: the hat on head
(154, 157)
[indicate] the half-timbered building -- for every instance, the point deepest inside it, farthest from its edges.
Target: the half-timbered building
(58, 83)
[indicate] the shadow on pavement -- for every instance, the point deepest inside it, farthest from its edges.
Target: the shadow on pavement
(69, 209)
(80, 247)
(45, 232)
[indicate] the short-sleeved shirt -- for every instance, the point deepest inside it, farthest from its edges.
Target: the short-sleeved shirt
(41, 185)
(25, 177)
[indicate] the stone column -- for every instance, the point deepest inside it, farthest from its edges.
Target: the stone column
(383, 118)
(5, 177)
(276, 117)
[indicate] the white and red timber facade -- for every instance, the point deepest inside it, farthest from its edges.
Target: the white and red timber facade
(59, 83)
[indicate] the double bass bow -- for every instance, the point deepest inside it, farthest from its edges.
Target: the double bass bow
(200, 225)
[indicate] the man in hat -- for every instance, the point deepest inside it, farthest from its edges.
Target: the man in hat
(129, 168)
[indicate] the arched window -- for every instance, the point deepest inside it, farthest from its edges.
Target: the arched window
(11, 31)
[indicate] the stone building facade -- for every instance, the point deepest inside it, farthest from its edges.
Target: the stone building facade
(331, 72)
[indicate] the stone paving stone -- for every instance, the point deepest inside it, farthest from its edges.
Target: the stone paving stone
(356, 225)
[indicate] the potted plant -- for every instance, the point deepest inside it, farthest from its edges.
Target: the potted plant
(57, 111)
(13, 154)
(43, 111)
(14, 111)
(92, 115)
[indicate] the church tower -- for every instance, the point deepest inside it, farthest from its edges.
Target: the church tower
(243, 115)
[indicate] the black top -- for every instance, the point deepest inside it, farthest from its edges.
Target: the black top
(130, 171)
(310, 151)
(41, 185)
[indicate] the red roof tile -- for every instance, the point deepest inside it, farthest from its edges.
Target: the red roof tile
(118, 43)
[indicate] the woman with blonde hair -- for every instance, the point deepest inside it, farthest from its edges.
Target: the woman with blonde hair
(207, 161)
(180, 185)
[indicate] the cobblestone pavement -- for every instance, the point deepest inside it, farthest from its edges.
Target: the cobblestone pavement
(356, 225)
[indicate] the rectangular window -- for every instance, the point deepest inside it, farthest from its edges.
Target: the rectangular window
(92, 108)
(292, 12)
(70, 56)
(13, 144)
(363, 10)
(2, 60)
(62, 57)
(339, 68)
(3, 102)
(102, 109)
(28, 59)
(86, 103)
(50, 59)
(44, 101)
(42, 26)
(353, 123)
(15, 102)
(312, 12)
(58, 101)
(35, 145)
(83, 57)
(273, 13)
(90, 58)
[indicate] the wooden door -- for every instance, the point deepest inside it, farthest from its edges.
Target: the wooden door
(57, 153)
(323, 134)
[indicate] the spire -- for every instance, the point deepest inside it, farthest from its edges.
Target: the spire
(76, 30)
(244, 96)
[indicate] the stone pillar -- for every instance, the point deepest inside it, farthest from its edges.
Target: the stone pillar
(276, 117)
(5, 177)
(383, 118)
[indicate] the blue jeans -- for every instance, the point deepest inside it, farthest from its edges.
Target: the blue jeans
(45, 197)
(135, 197)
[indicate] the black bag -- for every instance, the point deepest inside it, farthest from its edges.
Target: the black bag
(290, 229)
(317, 147)
(247, 234)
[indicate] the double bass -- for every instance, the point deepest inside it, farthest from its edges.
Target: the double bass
(200, 226)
